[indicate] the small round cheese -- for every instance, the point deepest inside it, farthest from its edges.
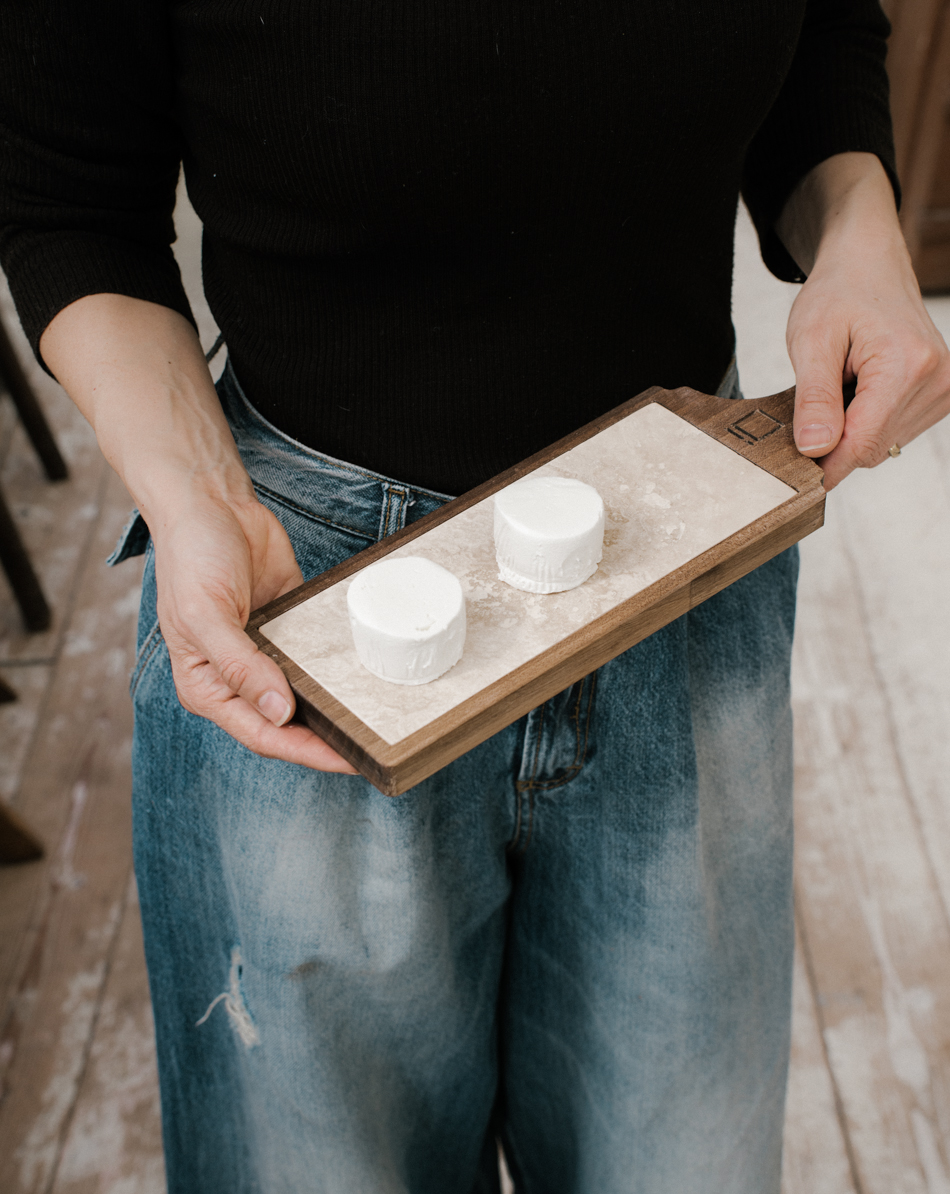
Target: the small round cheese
(549, 533)
(408, 619)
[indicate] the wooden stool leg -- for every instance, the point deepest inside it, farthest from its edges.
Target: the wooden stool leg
(29, 410)
(23, 580)
(17, 842)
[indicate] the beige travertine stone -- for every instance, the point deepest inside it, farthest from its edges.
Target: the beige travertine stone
(671, 493)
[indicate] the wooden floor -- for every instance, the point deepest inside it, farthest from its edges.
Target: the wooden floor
(869, 1094)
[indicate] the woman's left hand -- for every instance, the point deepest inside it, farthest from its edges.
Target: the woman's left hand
(858, 317)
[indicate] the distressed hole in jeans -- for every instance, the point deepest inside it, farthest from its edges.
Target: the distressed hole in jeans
(234, 1005)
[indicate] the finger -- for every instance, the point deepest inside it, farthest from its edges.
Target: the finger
(203, 692)
(819, 360)
(239, 664)
(291, 743)
(882, 414)
(868, 435)
(899, 395)
(837, 465)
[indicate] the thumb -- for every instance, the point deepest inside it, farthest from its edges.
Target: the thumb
(819, 401)
(818, 344)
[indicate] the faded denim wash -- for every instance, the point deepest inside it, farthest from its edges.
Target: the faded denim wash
(577, 938)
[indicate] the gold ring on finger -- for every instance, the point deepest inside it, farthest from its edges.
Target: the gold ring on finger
(894, 451)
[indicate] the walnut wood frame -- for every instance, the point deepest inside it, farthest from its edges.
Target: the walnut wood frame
(760, 431)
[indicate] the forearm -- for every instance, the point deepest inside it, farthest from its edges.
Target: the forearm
(137, 373)
(844, 206)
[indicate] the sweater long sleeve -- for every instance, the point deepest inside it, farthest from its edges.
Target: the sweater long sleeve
(833, 100)
(437, 236)
(89, 156)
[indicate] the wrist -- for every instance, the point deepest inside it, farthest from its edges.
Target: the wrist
(170, 445)
(844, 207)
(137, 372)
(168, 491)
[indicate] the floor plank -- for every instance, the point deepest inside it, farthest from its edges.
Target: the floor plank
(55, 519)
(75, 792)
(114, 1144)
(815, 1151)
(871, 913)
(18, 722)
(88, 702)
(8, 421)
(897, 533)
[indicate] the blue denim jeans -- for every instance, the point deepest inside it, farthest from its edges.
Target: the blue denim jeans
(576, 939)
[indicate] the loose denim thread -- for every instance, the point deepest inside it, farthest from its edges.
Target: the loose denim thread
(234, 1004)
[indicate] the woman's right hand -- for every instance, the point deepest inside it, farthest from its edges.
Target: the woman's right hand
(137, 373)
(215, 562)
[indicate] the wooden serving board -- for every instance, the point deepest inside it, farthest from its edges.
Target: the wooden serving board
(699, 491)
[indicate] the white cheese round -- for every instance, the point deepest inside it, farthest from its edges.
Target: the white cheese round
(549, 533)
(408, 619)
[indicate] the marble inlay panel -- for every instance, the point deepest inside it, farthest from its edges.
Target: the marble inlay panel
(671, 493)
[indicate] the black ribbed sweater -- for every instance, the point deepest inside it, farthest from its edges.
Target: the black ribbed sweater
(438, 234)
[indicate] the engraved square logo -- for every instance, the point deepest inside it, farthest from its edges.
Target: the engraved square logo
(754, 427)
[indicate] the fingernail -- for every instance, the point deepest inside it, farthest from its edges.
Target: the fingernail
(274, 707)
(814, 435)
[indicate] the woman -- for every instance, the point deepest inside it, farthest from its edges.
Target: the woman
(436, 239)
